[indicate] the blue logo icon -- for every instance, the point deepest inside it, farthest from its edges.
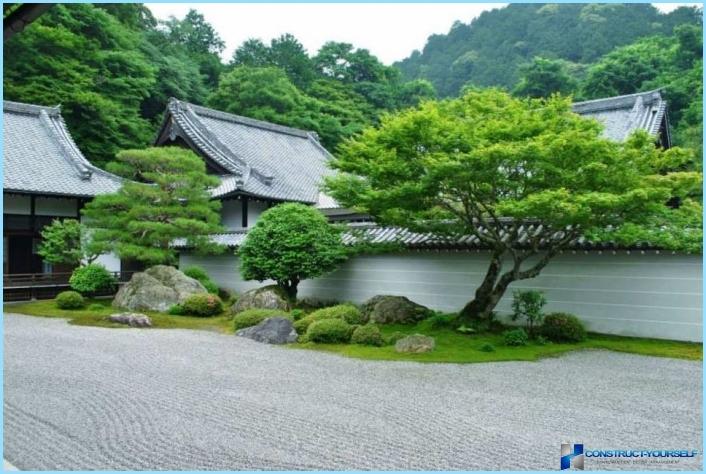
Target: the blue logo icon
(571, 456)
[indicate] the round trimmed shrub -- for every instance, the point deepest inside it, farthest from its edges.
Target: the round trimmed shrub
(253, 317)
(516, 337)
(202, 304)
(345, 312)
(487, 347)
(96, 307)
(367, 335)
(176, 310)
(563, 327)
(329, 330)
(91, 278)
(69, 300)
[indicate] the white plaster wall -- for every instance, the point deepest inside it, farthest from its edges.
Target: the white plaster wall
(647, 295)
(255, 208)
(232, 214)
(15, 204)
(110, 261)
(60, 207)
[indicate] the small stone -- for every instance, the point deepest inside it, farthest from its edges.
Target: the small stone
(271, 331)
(137, 320)
(415, 344)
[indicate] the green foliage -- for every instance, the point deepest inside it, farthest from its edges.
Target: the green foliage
(528, 305)
(198, 273)
(441, 320)
(492, 49)
(303, 324)
(290, 243)
(92, 278)
(168, 200)
(202, 304)
(329, 331)
(347, 312)
(456, 167)
(253, 317)
(297, 314)
(543, 77)
(515, 337)
(69, 300)
(176, 310)
(96, 307)
(69, 242)
(563, 327)
(394, 337)
(367, 335)
(487, 347)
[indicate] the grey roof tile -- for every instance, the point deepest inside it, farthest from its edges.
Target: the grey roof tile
(260, 158)
(40, 157)
(624, 114)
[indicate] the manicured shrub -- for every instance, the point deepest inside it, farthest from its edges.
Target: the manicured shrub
(253, 317)
(367, 335)
(69, 300)
(311, 303)
(176, 310)
(487, 347)
(441, 321)
(563, 327)
(394, 337)
(96, 307)
(91, 278)
(344, 312)
(202, 304)
(516, 337)
(329, 331)
(297, 314)
(198, 273)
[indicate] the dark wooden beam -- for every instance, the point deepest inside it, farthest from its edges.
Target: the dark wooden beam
(245, 212)
(18, 19)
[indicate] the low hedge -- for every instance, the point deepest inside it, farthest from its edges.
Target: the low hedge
(253, 317)
(92, 278)
(329, 331)
(69, 300)
(367, 335)
(563, 327)
(344, 312)
(202, 304)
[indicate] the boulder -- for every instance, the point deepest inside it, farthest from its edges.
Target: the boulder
(389, 309)
(131, 319)
(271, 331)
(157, 289)
(267, 297)
(415, 344)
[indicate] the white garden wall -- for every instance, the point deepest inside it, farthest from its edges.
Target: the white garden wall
(633, 294)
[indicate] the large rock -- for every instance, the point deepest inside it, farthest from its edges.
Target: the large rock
(156, 289)
(415, 344)
(271, 331)
(131, 319)
(389, 309)
(267, 297)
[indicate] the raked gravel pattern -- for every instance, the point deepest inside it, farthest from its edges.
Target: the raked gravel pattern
(82, 398)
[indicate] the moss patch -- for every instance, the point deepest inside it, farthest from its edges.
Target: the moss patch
(98, 317)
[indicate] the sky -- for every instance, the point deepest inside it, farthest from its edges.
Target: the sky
(390, 31)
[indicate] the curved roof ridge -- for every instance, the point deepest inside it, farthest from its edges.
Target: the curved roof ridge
(627, 100)
(251, 122)
(57, 129)
(31, 109)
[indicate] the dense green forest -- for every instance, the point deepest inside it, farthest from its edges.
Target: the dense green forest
(113, 67)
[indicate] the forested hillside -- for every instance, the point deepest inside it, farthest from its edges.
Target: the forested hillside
(490, 50)
(112, 67)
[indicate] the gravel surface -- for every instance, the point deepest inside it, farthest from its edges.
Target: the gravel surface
(82, 398)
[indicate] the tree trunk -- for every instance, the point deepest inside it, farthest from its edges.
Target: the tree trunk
(290, 287)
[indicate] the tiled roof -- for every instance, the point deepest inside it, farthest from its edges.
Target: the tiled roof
(624, 114)
(257, 158)
(374, 234)
(40, 157)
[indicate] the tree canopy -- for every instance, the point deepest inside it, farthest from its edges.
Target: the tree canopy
(488, 165)
(290, 243)
(165, 197)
